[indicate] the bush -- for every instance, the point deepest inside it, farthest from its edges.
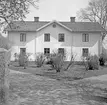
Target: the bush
(23, 59)
(57, 61)
(102, 59)
(40, 59)
(91, 62)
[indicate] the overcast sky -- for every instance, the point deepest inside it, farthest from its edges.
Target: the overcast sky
(57, 9)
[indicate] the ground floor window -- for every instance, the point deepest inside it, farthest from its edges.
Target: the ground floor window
(46, 50)
(22, 50)
(85, 52)
(61, 50)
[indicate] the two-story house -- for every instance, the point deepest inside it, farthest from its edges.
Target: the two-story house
(77, 38)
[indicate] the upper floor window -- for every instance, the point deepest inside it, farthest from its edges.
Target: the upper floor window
(47, 37)
(61, 37)
(85, 52)
(22, 37)
(85, 37)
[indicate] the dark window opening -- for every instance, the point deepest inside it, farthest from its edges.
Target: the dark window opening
(61, 38)
(61, 51)
(85, 37)
(22, 37)
(47, 37)
(85, 52)
(46, 51)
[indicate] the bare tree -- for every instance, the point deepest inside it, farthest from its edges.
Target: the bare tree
(11, 10)
(95, 12)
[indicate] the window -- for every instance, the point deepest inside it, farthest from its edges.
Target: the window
(61, 38)
(47, 37)
(61, 50)
(46, 50)
(54, 25)
(22, 37)
(85, 52)
(85, 37)
(22, 50)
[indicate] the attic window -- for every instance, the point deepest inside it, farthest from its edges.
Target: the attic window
(54, 25)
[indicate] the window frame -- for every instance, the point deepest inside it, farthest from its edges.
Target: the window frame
(59, 37)
(46, 50)
(22, 37)
(46, 39)
(85, 37)
(84, 53)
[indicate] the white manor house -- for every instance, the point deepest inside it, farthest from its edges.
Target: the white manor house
(78, 38)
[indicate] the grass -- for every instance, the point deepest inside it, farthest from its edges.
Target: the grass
(73, 73)
(43, 86)
(28, 89)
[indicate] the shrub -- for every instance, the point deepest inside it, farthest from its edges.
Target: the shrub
(40, 59)
(102, 59)
(91, 62)
(23, 59)
(71, 62)
(57, 61)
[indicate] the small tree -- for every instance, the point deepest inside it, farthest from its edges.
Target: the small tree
(23, 59)
(71, 61)
(57, 60)
(40, 58)
(91, 62)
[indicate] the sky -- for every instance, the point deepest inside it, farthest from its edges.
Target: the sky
(60, 10)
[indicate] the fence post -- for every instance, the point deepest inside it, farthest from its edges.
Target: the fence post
(4, 76)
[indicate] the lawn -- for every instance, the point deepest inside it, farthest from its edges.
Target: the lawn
(74, 72)
(43, 86)
(28, 89)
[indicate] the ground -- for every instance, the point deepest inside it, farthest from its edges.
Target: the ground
(37, 87)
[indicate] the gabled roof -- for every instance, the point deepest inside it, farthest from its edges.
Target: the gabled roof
(74, 27)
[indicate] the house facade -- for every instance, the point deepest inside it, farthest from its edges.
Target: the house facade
(76, 38)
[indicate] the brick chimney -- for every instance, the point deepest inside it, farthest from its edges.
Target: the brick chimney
(36, 19)
(72, 19)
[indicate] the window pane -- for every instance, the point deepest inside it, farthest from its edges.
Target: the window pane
(61, 37)
(85, 52)
(47, 37)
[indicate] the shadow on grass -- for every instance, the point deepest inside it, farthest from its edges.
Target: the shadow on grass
(95, 98)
